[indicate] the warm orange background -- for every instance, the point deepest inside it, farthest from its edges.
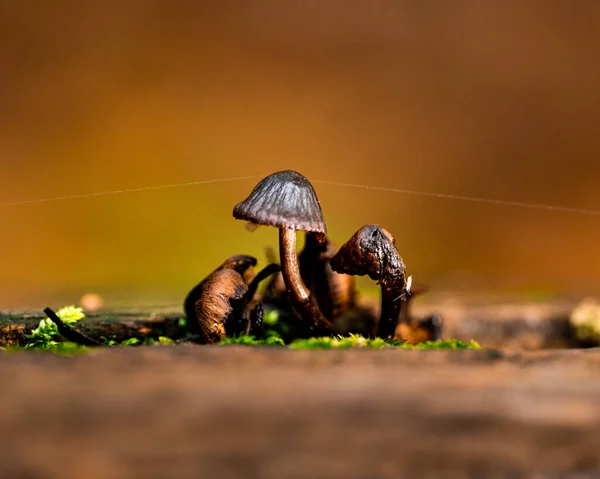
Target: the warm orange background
(499, 99)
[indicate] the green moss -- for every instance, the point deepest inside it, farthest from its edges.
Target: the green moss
(271, 317)
(356, 341)
(63, 348)
(279, 331)
(347, 342)
(46, 335)
(445, 344)
(252, 341)
(339, 342)
(585, 321)
(587, 332)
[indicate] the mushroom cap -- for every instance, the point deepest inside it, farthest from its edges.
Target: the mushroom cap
(372, 251)
(283, 199)
(243, 264)
(214, 306)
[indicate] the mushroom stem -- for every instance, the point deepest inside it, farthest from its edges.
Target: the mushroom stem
(391, 302)
(299, 293)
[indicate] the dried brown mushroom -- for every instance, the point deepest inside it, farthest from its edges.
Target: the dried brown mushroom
(246, 314)
(242, 264)
(372, 251)
(214, 308)
(288, 201)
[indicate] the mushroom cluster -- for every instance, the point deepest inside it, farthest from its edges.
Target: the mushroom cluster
(315, 290)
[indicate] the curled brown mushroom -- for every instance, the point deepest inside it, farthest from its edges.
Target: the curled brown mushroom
(242, 264)
(214, 308)
(372, 251)
(245, 317)
(287, 200)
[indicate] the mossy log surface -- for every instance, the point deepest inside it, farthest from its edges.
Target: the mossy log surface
(526, 324)
(16, 325)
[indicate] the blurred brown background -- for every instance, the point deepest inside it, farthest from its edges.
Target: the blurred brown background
(499, 99)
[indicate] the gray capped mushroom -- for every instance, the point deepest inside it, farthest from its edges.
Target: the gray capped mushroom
(287, 200)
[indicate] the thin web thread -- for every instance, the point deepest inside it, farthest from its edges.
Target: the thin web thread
(563, 209)
(131, 190)
(518, 204)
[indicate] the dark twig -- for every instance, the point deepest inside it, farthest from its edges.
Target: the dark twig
(69, 333)
(261, 276)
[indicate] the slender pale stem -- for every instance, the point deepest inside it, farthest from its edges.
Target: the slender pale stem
(299, 293)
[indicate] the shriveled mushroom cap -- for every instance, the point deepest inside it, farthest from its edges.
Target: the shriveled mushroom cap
(372, 251)
(285, 198)
(243, 264)
(214, 306)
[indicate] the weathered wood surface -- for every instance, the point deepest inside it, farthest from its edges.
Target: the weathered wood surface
(234, 412)
(495, 323)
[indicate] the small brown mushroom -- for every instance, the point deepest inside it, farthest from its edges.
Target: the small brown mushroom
(214, 308)
(287, 200)
(372, 251)
(243, 264)
(240, 322)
